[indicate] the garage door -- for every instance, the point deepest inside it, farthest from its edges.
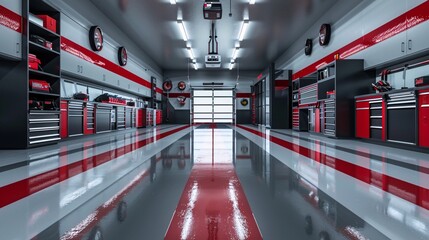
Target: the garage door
(213, 106)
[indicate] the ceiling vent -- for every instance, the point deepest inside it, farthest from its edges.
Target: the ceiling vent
(213, 84)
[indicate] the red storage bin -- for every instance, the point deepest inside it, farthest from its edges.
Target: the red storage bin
(49, 22)
(33, 62)
(39, 85)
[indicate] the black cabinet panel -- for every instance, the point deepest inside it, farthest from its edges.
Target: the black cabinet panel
(376, 122)
(376, 133)
(401, 125)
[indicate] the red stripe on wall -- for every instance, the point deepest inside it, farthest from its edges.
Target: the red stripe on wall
(10, 19)
(26, 187)
(405, 190)
(81, 52)
(281, 83)
(243, 95)
(400, 24)
(175, 95)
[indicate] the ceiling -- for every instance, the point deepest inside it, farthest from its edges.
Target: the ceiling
(274, 26)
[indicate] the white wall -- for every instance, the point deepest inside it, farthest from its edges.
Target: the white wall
(197, 78)
(366, 17)
(75, 27)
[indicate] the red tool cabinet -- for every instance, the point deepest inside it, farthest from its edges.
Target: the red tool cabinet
(423, 104)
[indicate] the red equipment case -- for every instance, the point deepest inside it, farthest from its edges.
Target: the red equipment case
(33, 62)
(39, 85)
(49, 22)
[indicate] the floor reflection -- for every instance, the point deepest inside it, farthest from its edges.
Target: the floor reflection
(296, 194)
(138, 209)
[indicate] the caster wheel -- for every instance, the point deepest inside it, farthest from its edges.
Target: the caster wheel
(122, 211)
(96, 234)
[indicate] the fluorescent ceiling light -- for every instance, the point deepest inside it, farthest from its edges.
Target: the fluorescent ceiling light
(174, 2)
(231, 65)
(183, 30)
(234, 54)
(191, 53)
(250, 1)
(195, 65)
(243, 30)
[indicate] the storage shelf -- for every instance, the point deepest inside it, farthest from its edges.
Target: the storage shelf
(43, 32)
(40, 50)
(44, 94)
(45, 75)
(326, 79)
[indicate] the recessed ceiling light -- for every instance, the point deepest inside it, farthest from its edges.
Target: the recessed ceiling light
(252, 2)
(173, 1)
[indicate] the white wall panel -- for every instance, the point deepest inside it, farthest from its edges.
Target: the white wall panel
(11, 40)
(77, 33)
(364, 19)
(13, 5)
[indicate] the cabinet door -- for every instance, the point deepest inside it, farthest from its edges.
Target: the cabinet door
(417, 38)
(384, 47)
(64, 119)
(11, 36)
(11, 43)
(417, 35)
(362, 120)
(70, 63)
(424, 119)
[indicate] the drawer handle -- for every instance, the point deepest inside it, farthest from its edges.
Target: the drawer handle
(402, 107)
(45, 140)
(362, 108)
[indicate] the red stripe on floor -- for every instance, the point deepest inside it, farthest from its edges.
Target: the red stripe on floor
(405, 190)
(26, 187)
(213, 206)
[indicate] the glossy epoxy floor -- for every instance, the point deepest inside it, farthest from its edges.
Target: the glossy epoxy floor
(213, 182)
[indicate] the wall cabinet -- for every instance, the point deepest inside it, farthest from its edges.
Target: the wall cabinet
(404, 44)
(11, 43)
